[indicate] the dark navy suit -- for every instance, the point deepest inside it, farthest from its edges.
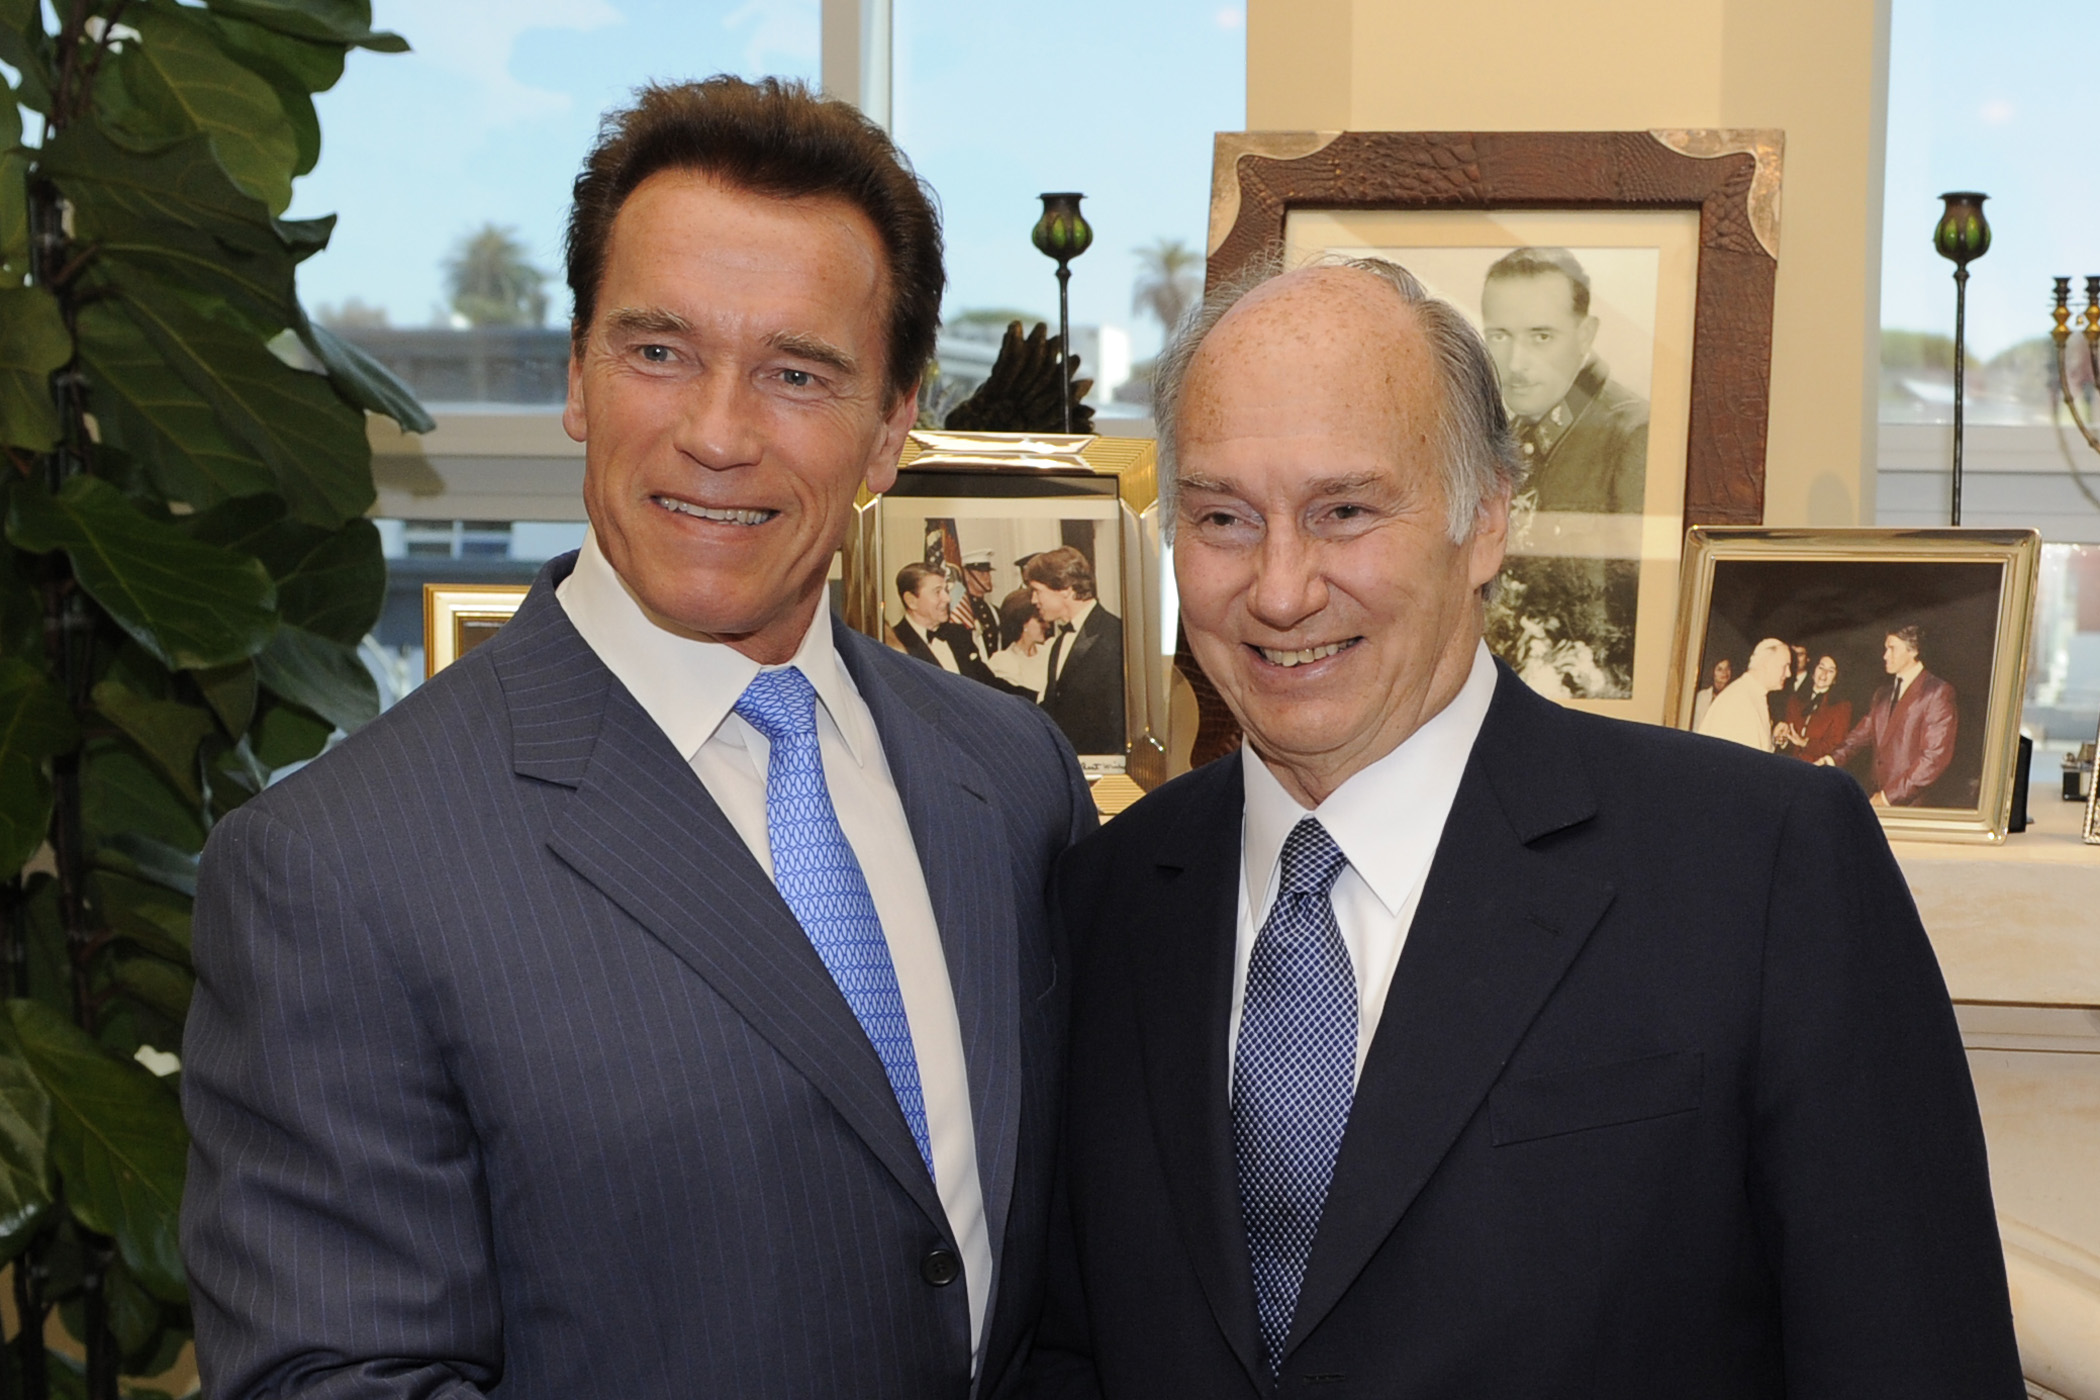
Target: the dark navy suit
(509, 1071)
(1666, 1100)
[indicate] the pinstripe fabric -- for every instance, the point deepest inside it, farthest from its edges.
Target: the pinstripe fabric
(510, 1073)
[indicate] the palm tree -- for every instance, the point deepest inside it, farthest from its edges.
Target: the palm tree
(1170, 279)
(493, 281)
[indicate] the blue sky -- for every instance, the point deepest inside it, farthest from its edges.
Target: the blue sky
(997, 101)
(1997, 99)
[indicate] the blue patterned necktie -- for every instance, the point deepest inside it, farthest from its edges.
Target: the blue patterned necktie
(821, 880)
(1293, 1077)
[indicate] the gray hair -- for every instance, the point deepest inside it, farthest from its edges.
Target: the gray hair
(1477, 454)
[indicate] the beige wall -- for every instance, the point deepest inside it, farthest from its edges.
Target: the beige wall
(1814, 68)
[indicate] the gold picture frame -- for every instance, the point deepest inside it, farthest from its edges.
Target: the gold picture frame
(957, 491)
(459, 617)
(1913, 627)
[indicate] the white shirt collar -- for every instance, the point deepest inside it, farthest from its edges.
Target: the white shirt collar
(1909, 673)
(689, 688)
(1388, 817)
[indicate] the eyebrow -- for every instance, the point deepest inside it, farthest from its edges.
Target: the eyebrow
(815, 349)
(646, 320)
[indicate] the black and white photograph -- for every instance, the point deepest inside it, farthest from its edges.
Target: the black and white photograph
(1891, 669)
(1572, 333)
(1017, 594)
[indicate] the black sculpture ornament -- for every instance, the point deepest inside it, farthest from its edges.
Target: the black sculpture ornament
(1021, 394)
(1962, 236)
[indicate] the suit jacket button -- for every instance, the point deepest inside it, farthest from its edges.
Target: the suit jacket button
(940, 1267)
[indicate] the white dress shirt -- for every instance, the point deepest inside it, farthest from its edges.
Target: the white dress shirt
(690, 688)
(1070, 639)
(943, 654)
(1387, 819)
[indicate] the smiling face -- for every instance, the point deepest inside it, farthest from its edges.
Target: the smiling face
(1320, 588)
(730, 398)
(1826, 673)
(1053, 604)
(1538, 342)
(928, 604)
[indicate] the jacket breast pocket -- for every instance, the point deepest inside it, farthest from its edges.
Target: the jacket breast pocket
(1599, 1096)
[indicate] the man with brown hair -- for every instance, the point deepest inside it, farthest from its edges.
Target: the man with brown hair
(1085, 692)
(654, 1004)
(1910, 725)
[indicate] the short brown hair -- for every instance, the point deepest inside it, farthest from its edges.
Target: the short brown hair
(1911, 635)
(912, 577)
(1063, 567)
(772, 137)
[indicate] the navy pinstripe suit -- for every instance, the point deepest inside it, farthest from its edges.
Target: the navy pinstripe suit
(510, 1073)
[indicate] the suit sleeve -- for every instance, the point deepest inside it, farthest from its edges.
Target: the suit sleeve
(1061, 1364)
(1868, 1173)
(335, 1225)
(1862, 734)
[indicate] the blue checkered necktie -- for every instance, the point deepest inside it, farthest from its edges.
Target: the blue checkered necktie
(821, 880)
(1294, 1076)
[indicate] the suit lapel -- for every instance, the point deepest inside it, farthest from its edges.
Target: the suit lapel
(642, 829)
(1181, 929)
(1496, 928)
(964, 853)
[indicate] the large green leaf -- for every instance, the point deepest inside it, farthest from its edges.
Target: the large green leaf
(364, 381)
(120, 792)
(26, 48)
(293, 420)
(14, 190)
(155, 918)
(173, 212)
(338, 589)
(189, 604)
(179, 80)
(33, 343)
(167, 730)
(320, 675)
(151, 412)
(35, 726)
(296, 68)
(344, 21)
(161, 985)
(286, 734)
(142, 857)
(230, 691)
(117, 1140)
(25, 1130)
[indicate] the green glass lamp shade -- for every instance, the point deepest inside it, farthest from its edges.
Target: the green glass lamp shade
(1963, 234)
(1062, 232)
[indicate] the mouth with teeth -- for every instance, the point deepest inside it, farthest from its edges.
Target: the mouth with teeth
(1305, 656)
(730, 515)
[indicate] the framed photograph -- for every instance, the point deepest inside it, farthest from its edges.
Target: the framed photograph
(1029, 564)
(1623, 282)
(2091, 831)
(1899, 656)
(459, 617)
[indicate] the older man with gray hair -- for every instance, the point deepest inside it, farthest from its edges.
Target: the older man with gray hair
(1440, 1041)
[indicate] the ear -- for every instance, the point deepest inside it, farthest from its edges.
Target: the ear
(1586, 333)
(573, 420)
(889, 446)
(1490, 541)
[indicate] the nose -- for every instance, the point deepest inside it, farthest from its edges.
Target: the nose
(1289, 588)
(719, 421)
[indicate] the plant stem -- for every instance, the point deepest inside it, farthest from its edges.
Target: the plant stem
(30, 1312)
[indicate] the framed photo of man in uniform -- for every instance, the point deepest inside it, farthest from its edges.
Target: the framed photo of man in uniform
(1897, 656)
(1623, 284)
(1029, 565)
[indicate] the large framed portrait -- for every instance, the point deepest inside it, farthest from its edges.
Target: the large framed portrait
(1029, 564)
(1899, 656)
(1623, 282)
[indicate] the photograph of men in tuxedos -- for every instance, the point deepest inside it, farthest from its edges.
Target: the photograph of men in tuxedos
(655, 1004)
(1441, 1040)
(1583, 435)
(1910, 725)
(928, 629)
(1085, 690)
